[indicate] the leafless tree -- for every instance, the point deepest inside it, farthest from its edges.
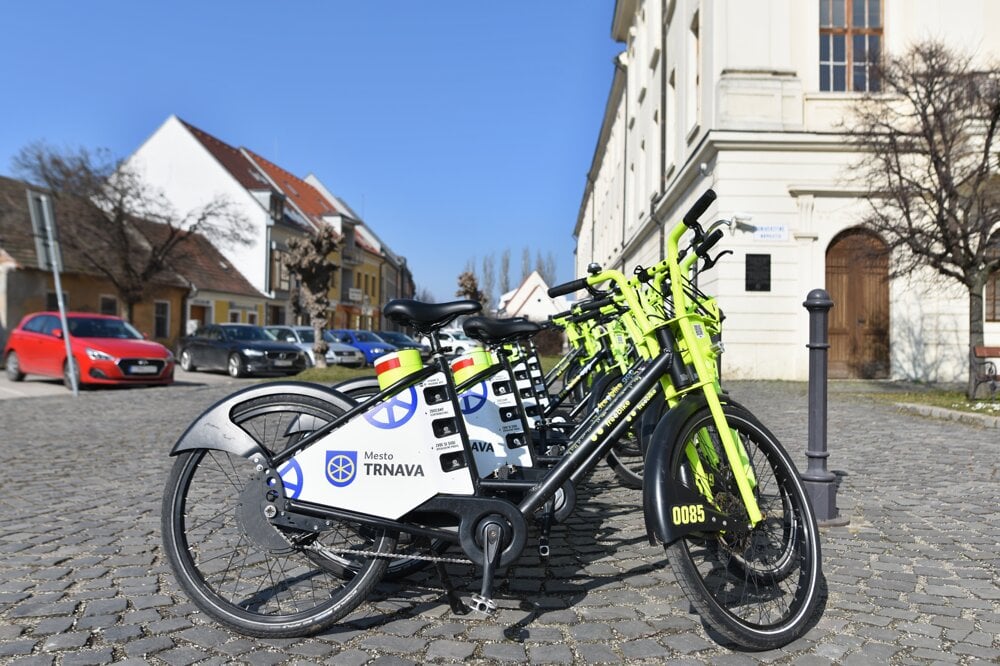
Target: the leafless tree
(468, 287)
(424, 295)
(931, 169)
(549, 274)
(101, 199)
(525, 263)
(505, 271)
(487, 281)
(308, 261)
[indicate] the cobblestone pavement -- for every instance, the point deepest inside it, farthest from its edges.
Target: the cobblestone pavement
(912, 579)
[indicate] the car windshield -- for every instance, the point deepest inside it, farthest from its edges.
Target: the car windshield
(394, 337)
(244, 333)
(330, 337)
(98, 327)
(306, 335)
(367, 336)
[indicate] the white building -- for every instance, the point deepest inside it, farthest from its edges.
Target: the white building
(747, 97)
(531, 301)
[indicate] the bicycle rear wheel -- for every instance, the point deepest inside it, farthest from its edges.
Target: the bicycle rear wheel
(236, 566)
(757, 586)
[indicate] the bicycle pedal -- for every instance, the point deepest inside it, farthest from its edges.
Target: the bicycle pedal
(481, 604)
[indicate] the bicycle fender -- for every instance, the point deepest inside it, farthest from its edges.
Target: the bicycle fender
(367, 385)
(659, 493)
(214, 430)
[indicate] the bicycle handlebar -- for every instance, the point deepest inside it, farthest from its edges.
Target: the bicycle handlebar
(567, 288)
(699, 208)
(703, 247)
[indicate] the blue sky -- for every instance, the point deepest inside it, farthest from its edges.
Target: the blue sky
(455, 129)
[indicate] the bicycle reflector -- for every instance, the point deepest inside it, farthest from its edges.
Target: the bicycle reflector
(467, 365)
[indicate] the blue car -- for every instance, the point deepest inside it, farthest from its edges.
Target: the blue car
(370, 344)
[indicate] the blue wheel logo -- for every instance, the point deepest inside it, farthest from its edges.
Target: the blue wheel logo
(291, 478)
(341, 467)
(473, 400)
(395, 411)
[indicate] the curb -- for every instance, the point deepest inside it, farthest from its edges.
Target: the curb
(982, 420)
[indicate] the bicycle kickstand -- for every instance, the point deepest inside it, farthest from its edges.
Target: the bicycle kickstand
(458, 607)
(491, 533)
(544, 527)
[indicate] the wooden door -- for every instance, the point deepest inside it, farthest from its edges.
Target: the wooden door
(857, 278)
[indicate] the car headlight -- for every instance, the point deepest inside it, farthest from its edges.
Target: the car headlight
(378, 350)
(253, 352)
(98, 355)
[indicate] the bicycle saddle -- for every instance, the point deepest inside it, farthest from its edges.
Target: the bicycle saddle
(427, 317)
(499, 331)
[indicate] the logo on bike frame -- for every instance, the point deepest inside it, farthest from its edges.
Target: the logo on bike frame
(341, 467)
(395, 411)
(473, 400)
(291, 478)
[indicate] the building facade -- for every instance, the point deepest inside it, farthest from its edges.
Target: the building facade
(749, 97)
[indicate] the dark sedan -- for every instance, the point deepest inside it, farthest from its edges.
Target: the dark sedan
(240, 349)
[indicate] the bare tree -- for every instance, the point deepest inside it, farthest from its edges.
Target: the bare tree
(549, 274)
(488, 280)
(309, 262)
(525, 263)
(102, 198)
(424, 295)
(931, 169)
(468, 287)
(505, 271)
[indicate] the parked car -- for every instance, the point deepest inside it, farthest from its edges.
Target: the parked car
(304, 338)
(240, 349)
(107, 350)
(371, 345)
(403, 341)
(454, 342)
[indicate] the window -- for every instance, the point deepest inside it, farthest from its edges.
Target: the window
(252, 317)
(108, 305)
(850, 38)
(234, 316)
(758, 276)
(991, 296)
(52, 303)
(694, 74)
(279, 272)
(161, 319)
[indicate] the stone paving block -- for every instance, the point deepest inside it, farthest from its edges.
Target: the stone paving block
(550, 654)
(596, 653)
(89, 657)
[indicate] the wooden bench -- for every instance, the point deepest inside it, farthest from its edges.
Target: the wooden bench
(986, 370)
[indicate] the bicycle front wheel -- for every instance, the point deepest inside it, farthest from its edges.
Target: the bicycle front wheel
(758, 587)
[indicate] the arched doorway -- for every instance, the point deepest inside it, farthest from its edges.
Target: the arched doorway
(857, 279)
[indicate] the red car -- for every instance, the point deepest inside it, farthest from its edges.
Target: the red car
(108, 350)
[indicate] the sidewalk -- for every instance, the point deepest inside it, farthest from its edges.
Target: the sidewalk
(911, 580)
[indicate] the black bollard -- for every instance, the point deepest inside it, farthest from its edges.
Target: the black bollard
(820, 483)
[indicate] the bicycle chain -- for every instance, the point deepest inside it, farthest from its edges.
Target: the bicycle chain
(323, 550)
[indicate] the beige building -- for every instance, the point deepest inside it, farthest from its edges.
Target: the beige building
(747, 97)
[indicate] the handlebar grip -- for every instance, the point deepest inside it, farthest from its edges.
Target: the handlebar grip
(703, 247)
(568, 287)
(595, 305)
(699, 207)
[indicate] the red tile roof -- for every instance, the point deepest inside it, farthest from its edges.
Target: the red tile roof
(306, 197)
(234, 161)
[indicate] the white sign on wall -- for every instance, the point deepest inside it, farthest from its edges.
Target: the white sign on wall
(771, 232)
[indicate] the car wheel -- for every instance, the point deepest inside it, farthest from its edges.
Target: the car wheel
(235, 366)
(67, 380)
(14, 373)
(186, 364)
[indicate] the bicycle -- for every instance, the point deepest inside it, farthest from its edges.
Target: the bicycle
(286, 461)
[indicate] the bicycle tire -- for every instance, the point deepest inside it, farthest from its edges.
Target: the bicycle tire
(234, 565)
(744, 584)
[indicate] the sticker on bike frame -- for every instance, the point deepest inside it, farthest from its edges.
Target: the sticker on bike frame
(291, 478)
(395, 411)
(341, 467)
(473, 400)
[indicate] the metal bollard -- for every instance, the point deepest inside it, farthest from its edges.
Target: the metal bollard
(820, 483)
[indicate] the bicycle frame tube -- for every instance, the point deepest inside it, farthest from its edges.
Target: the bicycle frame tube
(591, 446)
